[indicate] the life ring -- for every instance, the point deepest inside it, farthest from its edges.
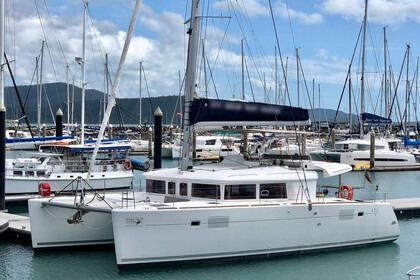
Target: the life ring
(44, 189)
(346, 192)
(127, 164)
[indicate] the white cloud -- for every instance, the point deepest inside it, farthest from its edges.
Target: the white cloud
(159, 41)
(392, 12)
(284, 11)
(252, 8)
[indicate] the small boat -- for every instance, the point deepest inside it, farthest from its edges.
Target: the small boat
(357, 152)
(209, 148)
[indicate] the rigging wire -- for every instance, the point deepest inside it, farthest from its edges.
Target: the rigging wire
(294, 122)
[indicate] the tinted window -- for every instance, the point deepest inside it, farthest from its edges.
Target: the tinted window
(155, 186)
(205, 190)
(275, 190)
(183, 189)
(171, 187)
(240, 191)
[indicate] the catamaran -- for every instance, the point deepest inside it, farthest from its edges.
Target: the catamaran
(233, 209)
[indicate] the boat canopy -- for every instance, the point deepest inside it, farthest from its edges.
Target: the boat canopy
(329, 169)
(409, 142)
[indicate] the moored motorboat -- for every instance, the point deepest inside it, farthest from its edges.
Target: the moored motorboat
(60, 165)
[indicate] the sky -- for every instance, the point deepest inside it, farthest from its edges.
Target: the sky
(324, 34)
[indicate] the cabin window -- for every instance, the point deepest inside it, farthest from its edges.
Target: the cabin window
(275, 190)
(171, 187)
(211, 142)
(183, 189)
(206, 191)
(155, 186)
(247, 191)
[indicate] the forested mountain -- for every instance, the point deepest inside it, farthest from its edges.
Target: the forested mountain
(126, 112)
(55, 96)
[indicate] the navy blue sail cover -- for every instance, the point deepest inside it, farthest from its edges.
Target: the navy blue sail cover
(375, 119)
(227, 111)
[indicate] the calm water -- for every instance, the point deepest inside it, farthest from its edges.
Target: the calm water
(388, 261)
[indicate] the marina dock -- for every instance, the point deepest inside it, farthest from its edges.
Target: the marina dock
(19, 226)
(405, 207)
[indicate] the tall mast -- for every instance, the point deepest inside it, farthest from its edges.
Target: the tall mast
(114, 89)
(276, 77)
(407, 94)
(141, 66)
(243, 69)
(68, 99)
(190, 77)
(362, 93)
(206, 90)
(2, 114)
(82, 63)
(297, 76)
(39, 96)
(106, 94)
(350, 109)
(385, 77)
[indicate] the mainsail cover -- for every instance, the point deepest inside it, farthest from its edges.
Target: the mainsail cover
(227, 112)
(375, 119)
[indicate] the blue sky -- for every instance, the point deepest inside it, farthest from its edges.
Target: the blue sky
(324, 32)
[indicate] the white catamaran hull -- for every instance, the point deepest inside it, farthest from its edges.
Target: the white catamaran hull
(161, 237)
(53, 226)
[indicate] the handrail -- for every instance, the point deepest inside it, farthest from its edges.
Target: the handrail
(412, 273)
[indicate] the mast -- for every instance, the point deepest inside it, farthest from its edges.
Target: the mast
(206, 90)
(407, 94)
(297, 76)
(39, 96)
(82, 63)
(319, 108)
(190, 77)
(416, 97)
(141, 66)
(276, 76)
(243, 70)
(68, 99)
(385, 77)
(362, 91)
(72, 100)
(2, 113)
(350, 109)
(114, 89)
(106, 94)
